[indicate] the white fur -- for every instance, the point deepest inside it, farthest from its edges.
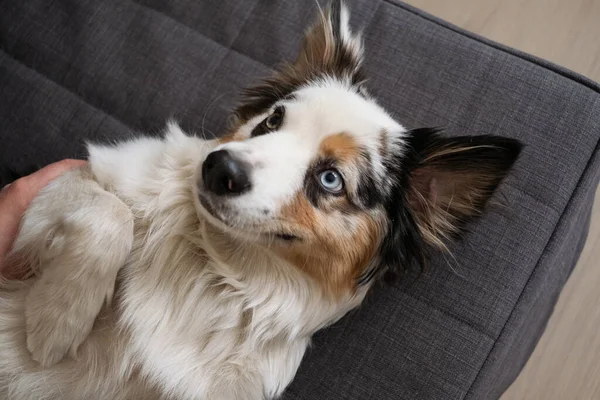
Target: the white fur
(198, 315)
(350, 40)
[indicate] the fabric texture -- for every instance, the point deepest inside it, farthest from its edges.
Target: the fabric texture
(82, 70)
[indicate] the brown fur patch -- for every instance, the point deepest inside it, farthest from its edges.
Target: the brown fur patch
(230, 137)
(333, 255)
(340, 146)
(318, 48)
(300, 211)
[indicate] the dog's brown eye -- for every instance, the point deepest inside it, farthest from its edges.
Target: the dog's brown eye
(269, 124)
(274, 120)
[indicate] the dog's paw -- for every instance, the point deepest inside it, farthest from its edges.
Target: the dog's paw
(56, 322)
(49, 349)
(76, 236)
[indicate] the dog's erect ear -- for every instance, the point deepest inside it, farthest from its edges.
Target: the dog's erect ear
(330, 47)
(451, 179)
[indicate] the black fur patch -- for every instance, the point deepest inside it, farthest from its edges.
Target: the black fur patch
(403, 244)
(368, 193)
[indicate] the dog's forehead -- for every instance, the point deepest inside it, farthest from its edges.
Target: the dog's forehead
(330, 109)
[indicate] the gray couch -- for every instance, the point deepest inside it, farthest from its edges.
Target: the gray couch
(75, 70)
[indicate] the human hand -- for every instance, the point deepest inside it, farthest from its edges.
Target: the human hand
(16, 198)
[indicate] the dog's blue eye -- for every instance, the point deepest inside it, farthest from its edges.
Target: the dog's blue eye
(331, 180)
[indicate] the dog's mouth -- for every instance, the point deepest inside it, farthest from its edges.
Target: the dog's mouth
(286, 237)
(208, 207)
(249, 231)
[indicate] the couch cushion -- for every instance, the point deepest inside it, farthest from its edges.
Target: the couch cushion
(77, 70)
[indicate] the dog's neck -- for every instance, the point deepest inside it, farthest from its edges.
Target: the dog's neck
(202, 260)
(271, 285)
(223, 301)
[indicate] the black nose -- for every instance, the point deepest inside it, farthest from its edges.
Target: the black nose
(224, 175)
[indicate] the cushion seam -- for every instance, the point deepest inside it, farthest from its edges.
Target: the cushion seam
(103, 111)
(450, 315)
(224, 46)
(561, 71)
(65, 88)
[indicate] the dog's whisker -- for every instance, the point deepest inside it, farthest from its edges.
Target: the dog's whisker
(202, 128)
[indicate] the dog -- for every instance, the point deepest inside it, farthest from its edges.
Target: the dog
(185, 268)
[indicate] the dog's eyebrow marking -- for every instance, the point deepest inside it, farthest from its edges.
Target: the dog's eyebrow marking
(230, 137)
(340, 146)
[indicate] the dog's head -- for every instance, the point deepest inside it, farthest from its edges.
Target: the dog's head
(320, 174)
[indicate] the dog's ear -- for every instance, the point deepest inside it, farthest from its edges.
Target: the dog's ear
(329, 46)
(451, 179)
(329, 50)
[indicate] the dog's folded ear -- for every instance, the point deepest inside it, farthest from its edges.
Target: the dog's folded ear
(451, 179)
(330, 48)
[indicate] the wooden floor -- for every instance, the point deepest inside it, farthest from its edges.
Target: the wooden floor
(566, 362)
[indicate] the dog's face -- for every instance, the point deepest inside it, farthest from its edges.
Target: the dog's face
(320, 174)
(304, 177)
